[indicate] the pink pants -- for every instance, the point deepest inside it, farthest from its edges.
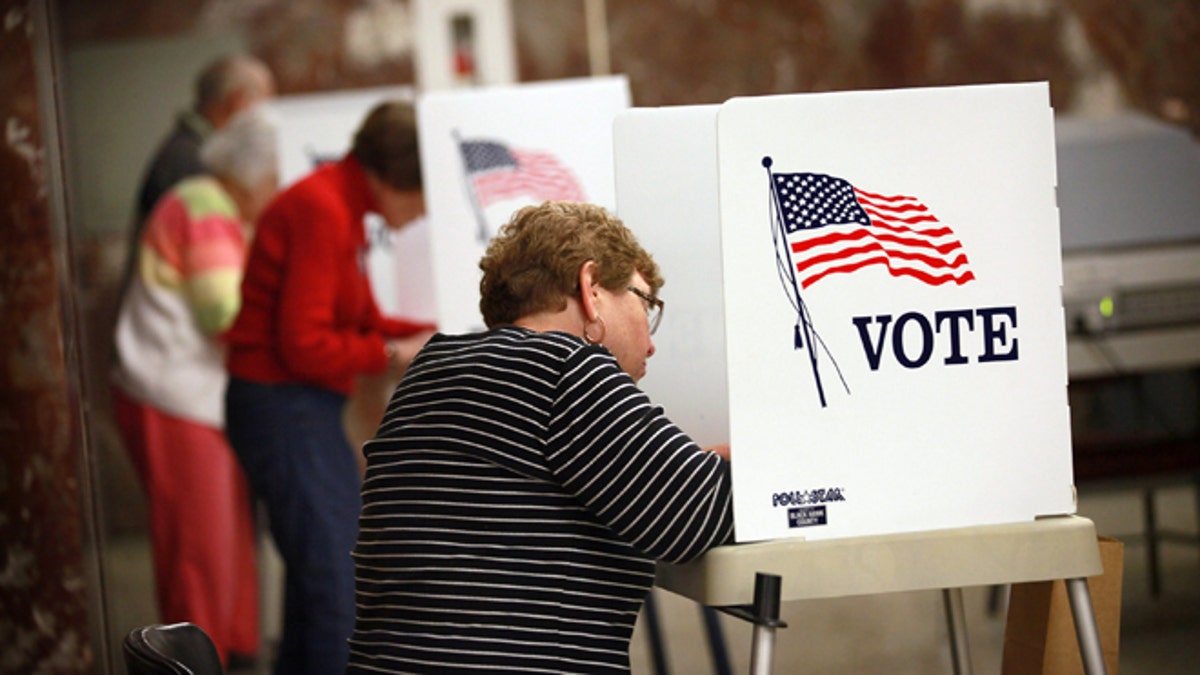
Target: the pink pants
(201, 527)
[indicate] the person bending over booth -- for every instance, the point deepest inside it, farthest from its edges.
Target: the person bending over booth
(169, 384)
(309, 326)
(521, 486)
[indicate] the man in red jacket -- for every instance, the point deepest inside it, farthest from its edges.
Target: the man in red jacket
(308, 327)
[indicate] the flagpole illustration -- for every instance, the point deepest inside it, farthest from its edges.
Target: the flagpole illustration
(480, 219)
(803, 322)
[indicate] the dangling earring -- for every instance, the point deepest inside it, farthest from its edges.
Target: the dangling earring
(603, 331)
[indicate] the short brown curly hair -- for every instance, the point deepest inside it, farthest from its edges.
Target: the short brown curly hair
(533, 264)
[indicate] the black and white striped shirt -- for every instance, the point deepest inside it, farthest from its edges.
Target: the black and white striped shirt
(516, 496)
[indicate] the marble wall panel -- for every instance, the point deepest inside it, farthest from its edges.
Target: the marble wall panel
(44, 625)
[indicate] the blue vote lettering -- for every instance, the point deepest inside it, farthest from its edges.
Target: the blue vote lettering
(997, 325)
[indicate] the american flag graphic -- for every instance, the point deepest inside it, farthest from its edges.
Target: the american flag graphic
(496, 172)
(833, 227)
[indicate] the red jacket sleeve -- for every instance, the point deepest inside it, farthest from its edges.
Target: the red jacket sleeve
(393, 327)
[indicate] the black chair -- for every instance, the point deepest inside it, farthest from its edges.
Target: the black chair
(177, 649)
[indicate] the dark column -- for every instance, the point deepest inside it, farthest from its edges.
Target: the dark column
(47, 561)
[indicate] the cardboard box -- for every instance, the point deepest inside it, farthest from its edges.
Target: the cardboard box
(1040, 634)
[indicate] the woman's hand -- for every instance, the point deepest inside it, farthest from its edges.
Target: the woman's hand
(402, 351)
(721, 450)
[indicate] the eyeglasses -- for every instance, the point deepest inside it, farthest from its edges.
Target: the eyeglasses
(654, 307)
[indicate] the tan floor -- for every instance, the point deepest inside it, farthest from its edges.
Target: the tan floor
(896, 634)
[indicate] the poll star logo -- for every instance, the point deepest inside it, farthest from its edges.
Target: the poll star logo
(823, 225)
(494, 171)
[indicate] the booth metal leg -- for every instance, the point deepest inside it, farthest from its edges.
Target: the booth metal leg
(658, 650)
(716, 641)
(764, 614)
(956, 622)
(762, 654)
(1150, 524)
(1085, 626)
(766, 611)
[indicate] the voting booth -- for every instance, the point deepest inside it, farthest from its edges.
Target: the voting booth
(863, 298)
(485, 152)
(489, 151)
(878, 275)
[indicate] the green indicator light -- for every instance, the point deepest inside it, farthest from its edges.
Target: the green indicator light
(1106, 307)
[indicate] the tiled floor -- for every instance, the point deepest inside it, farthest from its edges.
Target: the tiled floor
(896, 634)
